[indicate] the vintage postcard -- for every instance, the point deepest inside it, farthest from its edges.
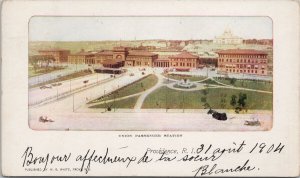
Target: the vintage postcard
(105, 88)
(111, 76)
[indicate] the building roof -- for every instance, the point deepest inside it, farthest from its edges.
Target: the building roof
(162, 58)
(141, 53)
(83, 53)
(185, 55)
(53, 50)
(105, 53)
(240, 51)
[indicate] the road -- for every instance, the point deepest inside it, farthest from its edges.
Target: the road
(36, 94)
(55, 74)
(72, 102)
(153, 120)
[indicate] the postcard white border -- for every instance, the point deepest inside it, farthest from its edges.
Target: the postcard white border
(16, 135)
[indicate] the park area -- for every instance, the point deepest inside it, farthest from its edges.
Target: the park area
(217, 98)
(125, 97)
(217, 93)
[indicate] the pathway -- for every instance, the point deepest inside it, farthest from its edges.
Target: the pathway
(140, 101)
(111, 100)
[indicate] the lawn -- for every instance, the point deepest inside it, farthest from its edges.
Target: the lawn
(127, 103)
(252, 84)
(40, 71)
(217, 98)
(210, 82)
(133, 88)
(182, 76)
(66, 77)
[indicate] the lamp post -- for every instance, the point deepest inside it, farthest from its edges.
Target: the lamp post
(70, 86)
(97, 77)
(56, 92)
(73, 103)
(206, 70)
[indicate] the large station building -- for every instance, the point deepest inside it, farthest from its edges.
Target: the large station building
(246, 61)
(243, 61)
(117, 57)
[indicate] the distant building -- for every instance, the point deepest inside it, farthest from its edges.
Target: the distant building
(268, 42)
(184, 60)
(59, 55)
(227, 38)
(243, 61)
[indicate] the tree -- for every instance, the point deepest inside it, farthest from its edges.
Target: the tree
(203, 99)
(232, 81)
(43, 60)
(242, 99)
(223, 100)
(233, 100)
(34, 62)
(206, 105)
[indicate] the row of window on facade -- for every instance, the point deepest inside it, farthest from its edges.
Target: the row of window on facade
(182, 64)
(245, 71)
(189, 60)
(243, 66)
(243, 56)
(144, 63)
(243, 60)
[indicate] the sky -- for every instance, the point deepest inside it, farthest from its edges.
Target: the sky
(144, 28)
